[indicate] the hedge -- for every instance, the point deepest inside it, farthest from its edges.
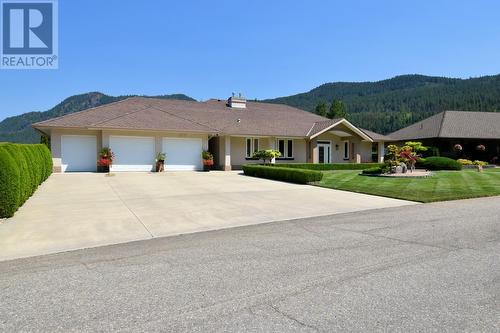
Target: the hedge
(330, 166)
(372, 171)
(292, 175)
(22, 168)
(439, 163)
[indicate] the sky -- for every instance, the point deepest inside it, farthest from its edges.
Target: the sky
(263, 49)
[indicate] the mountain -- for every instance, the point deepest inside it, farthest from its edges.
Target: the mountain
(388, 105)
(18, 128)
(382, 106)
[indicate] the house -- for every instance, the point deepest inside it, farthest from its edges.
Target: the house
(449, 128)
(138, 128)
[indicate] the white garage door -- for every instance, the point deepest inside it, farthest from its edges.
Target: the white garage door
(132, 153)
(78, 153)
(182, 153)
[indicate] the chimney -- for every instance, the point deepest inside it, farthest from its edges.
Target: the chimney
(238, 102)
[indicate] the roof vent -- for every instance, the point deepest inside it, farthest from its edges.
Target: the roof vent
(238, 102)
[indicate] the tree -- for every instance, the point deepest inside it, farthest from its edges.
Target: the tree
(267, 154)
(321, 109)
(417, 147)
(337, 110)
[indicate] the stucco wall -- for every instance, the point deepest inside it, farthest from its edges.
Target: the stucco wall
(363, 148)
(238, 151)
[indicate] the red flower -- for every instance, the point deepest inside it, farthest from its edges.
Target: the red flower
(104, 162)
(208, 162)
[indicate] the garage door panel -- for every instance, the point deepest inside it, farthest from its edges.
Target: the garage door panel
(132, 153)
(78, 153)
(182, 153)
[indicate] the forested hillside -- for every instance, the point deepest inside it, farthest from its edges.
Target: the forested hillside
(18, 128)
(388, 105)
(382, 106)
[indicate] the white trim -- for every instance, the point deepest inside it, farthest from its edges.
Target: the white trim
(309, 132)
(323, 143)
(348, 150)
(252, 146)
(285, 147)
(349, 125)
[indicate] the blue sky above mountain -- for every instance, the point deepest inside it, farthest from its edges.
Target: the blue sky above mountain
(261, 48)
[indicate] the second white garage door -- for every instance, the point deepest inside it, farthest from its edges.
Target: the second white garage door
(132, 153)
(182, 153)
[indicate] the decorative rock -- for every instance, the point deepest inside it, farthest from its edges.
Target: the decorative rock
(404, 168)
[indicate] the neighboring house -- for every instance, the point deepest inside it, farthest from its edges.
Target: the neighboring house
(446, 129)
(137, 128)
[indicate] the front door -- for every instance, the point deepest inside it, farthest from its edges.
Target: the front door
(324, 152)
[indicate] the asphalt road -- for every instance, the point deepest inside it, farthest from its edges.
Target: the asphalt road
(433, 267)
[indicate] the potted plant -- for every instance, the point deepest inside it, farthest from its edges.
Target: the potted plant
(160, 162)
(105, 160)
(208, 160)
(103, 165)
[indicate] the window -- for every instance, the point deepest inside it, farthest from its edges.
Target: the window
(285, 147)
(252, 145)
(249, 148)
(346, 150)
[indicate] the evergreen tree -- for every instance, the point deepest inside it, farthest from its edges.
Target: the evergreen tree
(321, 109)
(337, 110)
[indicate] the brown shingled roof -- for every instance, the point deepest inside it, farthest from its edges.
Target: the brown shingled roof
(376, 136)
(322, 125)
(212, 116)
(453, 124)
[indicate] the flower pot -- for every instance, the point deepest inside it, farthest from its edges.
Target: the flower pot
(207, 165)
(160, 166)
(103, 168)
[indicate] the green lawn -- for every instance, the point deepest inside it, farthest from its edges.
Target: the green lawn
(443, 185)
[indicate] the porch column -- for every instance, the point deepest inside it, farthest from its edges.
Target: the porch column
(227, 153)
(380, 152)
(272, 145)
(314, 151)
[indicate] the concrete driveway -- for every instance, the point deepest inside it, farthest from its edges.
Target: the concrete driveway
(81, 210)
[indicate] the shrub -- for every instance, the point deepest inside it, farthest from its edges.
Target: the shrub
(480, 163)
(439, 163)
(10, 186)
(464, 161)
(22, 169)
(372, 171)
(329, 166)
(267, 154)
(292, 175)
